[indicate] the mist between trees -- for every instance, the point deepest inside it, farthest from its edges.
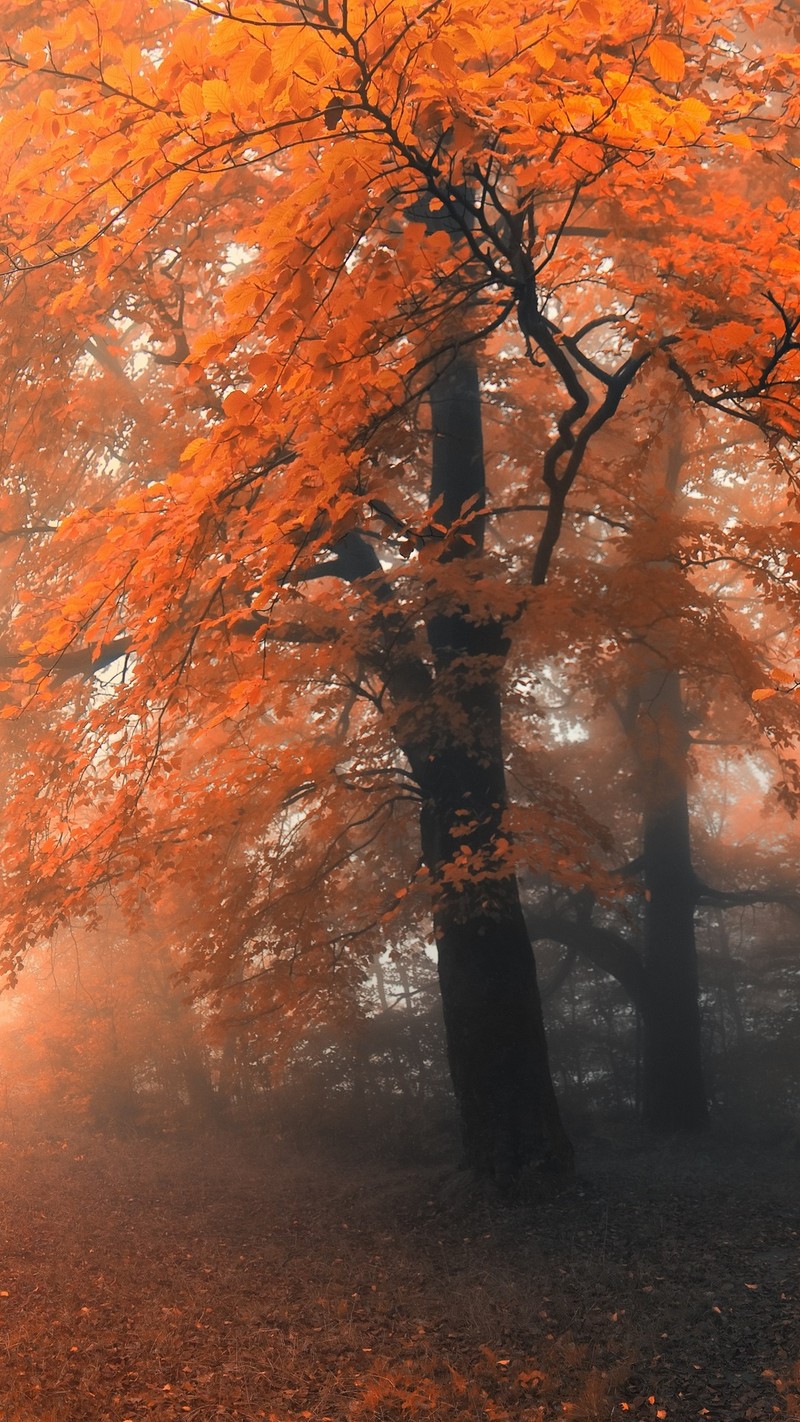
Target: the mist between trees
(399, 564)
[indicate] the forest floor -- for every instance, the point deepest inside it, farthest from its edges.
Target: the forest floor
(225, 1277)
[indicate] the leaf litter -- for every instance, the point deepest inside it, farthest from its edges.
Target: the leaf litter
(246, 1278)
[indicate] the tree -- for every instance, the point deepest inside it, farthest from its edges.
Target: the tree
(279, 234)
(690, 611)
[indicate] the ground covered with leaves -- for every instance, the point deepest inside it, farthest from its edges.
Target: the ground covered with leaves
(239, 1277)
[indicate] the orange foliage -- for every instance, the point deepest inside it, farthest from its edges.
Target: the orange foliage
(239, 241)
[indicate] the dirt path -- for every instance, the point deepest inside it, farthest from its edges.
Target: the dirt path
(216, 1279)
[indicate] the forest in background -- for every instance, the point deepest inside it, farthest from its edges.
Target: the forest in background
(98, 1033)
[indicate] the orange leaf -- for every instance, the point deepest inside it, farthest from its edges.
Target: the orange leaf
(30, 672)
(667, 59)
(216, 96)
(545, 54)
(192, 102)
(240, 407)
(444, 57)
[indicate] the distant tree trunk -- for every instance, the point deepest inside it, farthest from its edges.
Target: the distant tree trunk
(114, 1105)
(242, 1080)
(189, 1069)
(726, 969)
(674, 1093)
(204, 1102)
(496, 1043)
(415, 1052)
(674, 1087)
(399, 1066)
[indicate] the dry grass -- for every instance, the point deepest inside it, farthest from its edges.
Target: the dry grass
(221, 1277)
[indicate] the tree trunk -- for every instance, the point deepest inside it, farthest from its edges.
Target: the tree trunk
(674, 1088)
(496, 1043)
(402, 1082)
(496, 1046)
(204, 1103)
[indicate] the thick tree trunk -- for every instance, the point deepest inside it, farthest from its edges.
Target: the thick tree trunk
(496, 1042)
(492, 1010)
(496, 1046)
(674, 1088)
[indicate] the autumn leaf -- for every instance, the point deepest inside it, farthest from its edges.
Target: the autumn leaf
(192, 102)
(216, 97)
(667, 59)
(240, 407)
(545, 53)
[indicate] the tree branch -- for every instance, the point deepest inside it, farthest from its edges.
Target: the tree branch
(601, 947)
(733, 898)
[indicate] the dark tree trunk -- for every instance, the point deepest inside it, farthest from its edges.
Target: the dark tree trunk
(496, 1046)
(492, 1010)
(674, 1088)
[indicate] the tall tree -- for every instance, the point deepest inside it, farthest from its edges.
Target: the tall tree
(655, 720)
(693, 604)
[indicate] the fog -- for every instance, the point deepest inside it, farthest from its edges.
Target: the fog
(101, 1034)
(399, 711)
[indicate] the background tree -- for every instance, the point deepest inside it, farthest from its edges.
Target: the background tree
(689, 620)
